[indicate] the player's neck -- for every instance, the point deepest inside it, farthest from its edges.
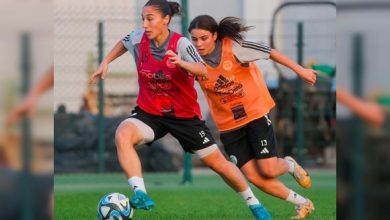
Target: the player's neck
(160, 39)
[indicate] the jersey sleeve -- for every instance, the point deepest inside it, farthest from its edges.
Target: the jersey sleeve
(249, 51)
(187, 52)
(132, 39)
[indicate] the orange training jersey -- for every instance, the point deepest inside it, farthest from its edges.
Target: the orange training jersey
(236, 94)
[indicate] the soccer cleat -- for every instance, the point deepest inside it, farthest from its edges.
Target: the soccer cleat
(303, 210)
(260, 212)
(299, 174)
(141, 200)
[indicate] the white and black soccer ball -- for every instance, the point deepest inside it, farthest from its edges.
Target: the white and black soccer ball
(114, 206)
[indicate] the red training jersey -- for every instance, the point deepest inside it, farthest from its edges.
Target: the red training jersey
(164, 88)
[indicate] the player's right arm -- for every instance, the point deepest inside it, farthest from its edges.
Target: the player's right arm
(118, 50)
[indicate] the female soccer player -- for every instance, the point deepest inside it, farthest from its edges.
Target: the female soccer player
(239, 102)
(167, 103)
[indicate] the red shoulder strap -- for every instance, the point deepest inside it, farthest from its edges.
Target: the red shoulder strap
(173, 42)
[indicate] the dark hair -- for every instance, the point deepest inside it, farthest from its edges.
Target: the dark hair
(165, 7)
(230, 27)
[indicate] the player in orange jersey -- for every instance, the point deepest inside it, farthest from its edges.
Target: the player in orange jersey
(239, 102)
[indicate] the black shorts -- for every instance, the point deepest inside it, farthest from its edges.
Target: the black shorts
(192, 133)
(256, 140)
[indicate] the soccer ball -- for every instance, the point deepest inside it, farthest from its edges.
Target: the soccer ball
(114, 206)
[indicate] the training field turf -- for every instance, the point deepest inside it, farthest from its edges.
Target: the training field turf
(207, 198)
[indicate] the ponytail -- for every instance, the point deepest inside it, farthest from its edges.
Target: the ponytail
(230, 27)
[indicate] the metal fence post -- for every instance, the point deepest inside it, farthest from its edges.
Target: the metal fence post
(300, 139)
(26, 127)
(187, 176)
(358, 210)
(101, 134)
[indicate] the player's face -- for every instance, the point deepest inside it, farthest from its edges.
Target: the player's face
(203, 40)
(153, 22)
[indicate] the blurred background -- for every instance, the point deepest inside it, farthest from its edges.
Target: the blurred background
(26, 145)
(86, 116)
(363, 175)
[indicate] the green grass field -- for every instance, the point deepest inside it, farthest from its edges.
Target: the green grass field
(207, 198)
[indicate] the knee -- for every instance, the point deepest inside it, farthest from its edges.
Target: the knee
(125, 133)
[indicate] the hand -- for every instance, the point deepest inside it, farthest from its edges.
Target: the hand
(372, 113)
(174, 58)
(100, 72)
(309, 75)
(26, 108)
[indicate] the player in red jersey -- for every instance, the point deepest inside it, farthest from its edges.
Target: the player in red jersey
(167, 64)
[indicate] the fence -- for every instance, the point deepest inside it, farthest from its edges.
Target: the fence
(76, 53)
(306, 114)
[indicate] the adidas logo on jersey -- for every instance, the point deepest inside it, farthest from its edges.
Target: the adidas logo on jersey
(205, 140)
(222, 84)
(264, 151)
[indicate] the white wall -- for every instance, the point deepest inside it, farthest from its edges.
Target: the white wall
(215, 8)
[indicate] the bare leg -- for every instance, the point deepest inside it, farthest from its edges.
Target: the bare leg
(272, 167)
(276, 188)
(227, 170)
(271, 186)
(234, 178)
(126, 137)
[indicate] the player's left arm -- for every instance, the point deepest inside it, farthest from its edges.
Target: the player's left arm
(247, 51)
(309, 75)
(28, 105)
(369, 111)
